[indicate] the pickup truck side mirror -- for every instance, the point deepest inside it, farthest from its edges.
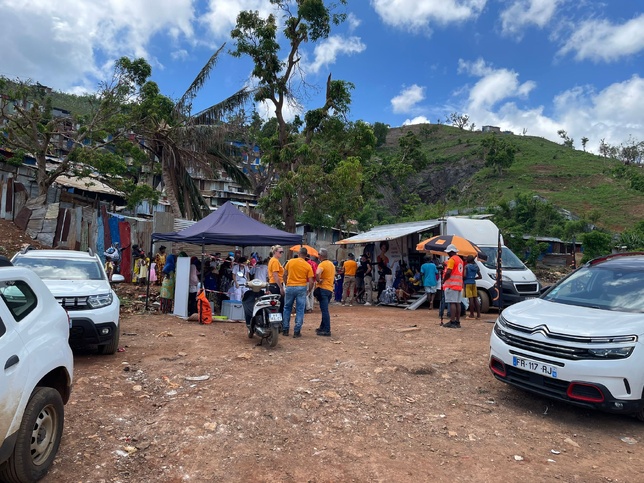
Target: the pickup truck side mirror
(118, 278)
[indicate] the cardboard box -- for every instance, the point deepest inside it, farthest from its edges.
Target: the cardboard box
(233, 309)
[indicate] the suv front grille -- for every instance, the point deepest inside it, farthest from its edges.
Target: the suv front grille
(74, 303)
(549, 349)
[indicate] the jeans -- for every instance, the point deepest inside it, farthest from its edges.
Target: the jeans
(325, 299)
(297, 295)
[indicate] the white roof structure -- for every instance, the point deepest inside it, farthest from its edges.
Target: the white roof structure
(390, 232)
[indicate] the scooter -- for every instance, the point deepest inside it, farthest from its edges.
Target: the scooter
(261, 309)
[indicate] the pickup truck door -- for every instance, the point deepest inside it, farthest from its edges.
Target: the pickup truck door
(14, 372)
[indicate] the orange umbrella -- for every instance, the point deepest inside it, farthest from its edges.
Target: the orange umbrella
(312, 251)
(437, 245)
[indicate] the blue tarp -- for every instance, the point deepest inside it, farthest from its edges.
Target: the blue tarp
(229, 226)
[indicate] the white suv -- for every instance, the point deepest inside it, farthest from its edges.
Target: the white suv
(79, 283)
(582, 340)
(37, 378)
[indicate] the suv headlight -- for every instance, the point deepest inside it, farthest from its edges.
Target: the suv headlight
(500, 326)
(101, 300)
(612, 353)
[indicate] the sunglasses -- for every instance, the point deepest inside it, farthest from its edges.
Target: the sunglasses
(280, 251)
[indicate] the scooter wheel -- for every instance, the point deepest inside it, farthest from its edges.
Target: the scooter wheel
(272, 339)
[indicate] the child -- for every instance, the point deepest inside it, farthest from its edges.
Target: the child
(471, 273)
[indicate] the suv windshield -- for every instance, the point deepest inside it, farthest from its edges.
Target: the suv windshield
(62, 268)
(604, 286)
(509, 260)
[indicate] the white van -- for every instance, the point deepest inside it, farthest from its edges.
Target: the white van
(519, 283)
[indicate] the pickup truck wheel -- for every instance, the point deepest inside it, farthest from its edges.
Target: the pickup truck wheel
(484, 300)
(39, 436)
(112, 346)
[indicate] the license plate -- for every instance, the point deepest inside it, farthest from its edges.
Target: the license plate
(276, 317)
(533, 366)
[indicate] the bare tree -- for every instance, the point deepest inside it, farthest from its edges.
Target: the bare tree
(460, 121)
(584, 141)
(567, 140)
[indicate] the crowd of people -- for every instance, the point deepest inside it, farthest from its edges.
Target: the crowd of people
(305, 279)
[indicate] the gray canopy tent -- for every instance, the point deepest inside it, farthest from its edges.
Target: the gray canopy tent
(227, 226)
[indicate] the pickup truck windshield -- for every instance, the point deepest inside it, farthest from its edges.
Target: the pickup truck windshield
(62, 268)
(509, 260)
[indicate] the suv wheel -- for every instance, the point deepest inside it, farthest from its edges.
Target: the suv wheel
(112, 346)
(39, 436)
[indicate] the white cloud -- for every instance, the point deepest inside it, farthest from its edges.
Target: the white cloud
(601, 40)
(612, 114)
(221, 15)
(407, 99)
(417, 15)
(416, 120)
(69, 43)
(353, 21)
(523, 13)
(494, 86)
(266, 109)
(327, 51)
(181, 54)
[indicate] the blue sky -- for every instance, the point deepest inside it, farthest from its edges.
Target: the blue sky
(538, 65)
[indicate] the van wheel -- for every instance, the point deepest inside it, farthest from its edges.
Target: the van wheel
(112, 346)
(484, 301)
(39, 436)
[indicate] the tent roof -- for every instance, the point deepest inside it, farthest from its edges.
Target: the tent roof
(229, 226)
(390, 232)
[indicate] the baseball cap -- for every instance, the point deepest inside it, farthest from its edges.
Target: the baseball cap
(451, 248)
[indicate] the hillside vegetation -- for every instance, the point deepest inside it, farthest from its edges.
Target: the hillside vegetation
(589, 186)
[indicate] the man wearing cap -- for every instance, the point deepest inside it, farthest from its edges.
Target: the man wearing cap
(453, 286)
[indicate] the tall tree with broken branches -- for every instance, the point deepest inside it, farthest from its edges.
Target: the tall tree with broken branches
(276, 70)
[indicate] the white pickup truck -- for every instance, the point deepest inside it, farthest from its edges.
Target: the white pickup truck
(36, 375)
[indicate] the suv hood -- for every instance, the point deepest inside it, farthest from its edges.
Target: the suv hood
(573, 319)
(77, 288)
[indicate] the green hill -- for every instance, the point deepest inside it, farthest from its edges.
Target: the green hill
(587, 185)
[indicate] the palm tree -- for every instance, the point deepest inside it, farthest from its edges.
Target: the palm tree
(185, 144)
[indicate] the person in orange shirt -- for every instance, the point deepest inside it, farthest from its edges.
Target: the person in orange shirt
(325, 276)
(298, 276)
(276, 274)
(349, 287)
(453, 286)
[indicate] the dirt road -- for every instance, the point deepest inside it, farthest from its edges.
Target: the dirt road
(187, 402)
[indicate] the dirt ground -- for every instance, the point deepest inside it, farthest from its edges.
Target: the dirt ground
(375, 402)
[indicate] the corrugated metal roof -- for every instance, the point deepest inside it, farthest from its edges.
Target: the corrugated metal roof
(390, 232)
(88, 184)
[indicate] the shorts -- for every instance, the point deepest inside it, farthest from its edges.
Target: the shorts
(470, 290)
(452, 296)
(430, 289)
